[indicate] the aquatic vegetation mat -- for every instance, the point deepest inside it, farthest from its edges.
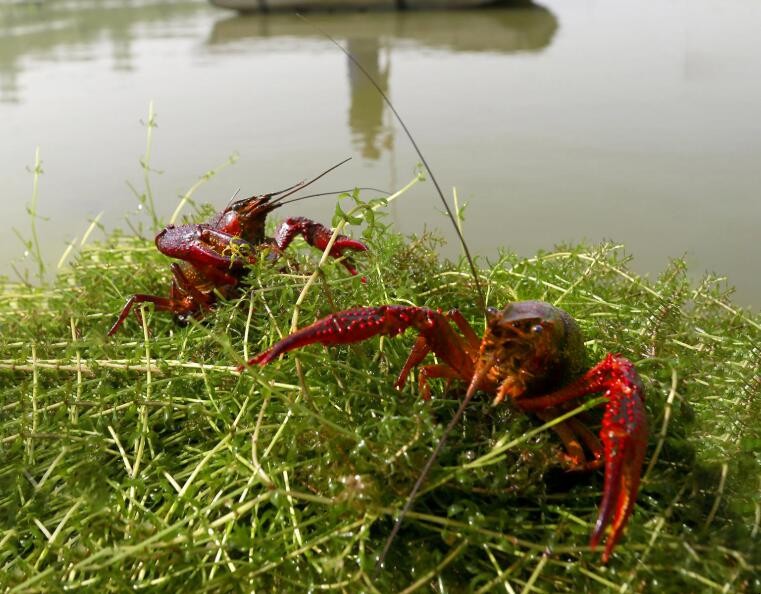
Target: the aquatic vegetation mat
(147, 462)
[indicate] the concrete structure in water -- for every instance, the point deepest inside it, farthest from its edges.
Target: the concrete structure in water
(310, 5)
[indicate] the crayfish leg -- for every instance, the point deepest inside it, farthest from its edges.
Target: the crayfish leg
(160, 303)
(462, 349)
(419, 352)
(472, 341)
(181, 285)
(574, 452)
(590, 441)
(427, 372)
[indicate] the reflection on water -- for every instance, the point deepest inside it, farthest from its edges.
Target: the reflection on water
(69, 30)
(523, 28)
(366, 106)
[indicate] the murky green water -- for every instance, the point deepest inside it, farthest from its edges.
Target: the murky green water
(585, 120)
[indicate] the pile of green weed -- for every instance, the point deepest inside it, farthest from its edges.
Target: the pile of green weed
(147, 462)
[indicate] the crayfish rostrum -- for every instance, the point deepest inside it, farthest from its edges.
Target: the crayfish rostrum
(214, 254)
(531, 353)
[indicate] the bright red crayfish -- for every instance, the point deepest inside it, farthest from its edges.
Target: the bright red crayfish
(532, 353)
(213, 254)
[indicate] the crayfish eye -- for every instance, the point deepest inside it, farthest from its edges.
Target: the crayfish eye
(537, 329)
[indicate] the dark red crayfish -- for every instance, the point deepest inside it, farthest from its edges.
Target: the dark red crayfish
(531, 353)
(213, 255)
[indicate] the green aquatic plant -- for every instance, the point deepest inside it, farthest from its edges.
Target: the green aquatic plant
(149, 462)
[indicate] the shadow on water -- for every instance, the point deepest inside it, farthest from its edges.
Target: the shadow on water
(369, 37)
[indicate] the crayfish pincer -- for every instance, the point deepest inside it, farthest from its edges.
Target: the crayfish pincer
(531, 353)
(213, 255)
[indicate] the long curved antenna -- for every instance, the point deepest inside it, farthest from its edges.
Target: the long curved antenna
(474, 382)
(479, 290)
(293, 189)
(282, 202)
(221, 213)
(278, 198)
(478, 376)
(333, 193)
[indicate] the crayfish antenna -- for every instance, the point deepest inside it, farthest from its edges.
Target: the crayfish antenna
(218, 217)
(477, 377)
(283, 194)
(475, 382)
(450, 214)
(333, 193)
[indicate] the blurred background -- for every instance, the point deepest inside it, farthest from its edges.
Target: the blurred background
(559, 121)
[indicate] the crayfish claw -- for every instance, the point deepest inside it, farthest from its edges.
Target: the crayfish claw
(347, 243)
(318, 236)
(617, 499)
(345, 327)
(624, 437)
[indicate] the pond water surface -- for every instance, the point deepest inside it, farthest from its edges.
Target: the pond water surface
(561, 122)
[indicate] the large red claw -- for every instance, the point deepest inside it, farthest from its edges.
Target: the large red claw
(345, 327)
(624, 436)
(317, 235)
(347, 243)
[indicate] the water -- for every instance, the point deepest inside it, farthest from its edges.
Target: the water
(569, 121)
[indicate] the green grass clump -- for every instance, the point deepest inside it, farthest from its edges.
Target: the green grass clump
(146, 462)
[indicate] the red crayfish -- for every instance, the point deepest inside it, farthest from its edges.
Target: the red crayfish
(531, 353)
(214, 254)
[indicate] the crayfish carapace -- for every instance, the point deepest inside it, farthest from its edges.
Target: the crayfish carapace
(214, 254)
(531, 353)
